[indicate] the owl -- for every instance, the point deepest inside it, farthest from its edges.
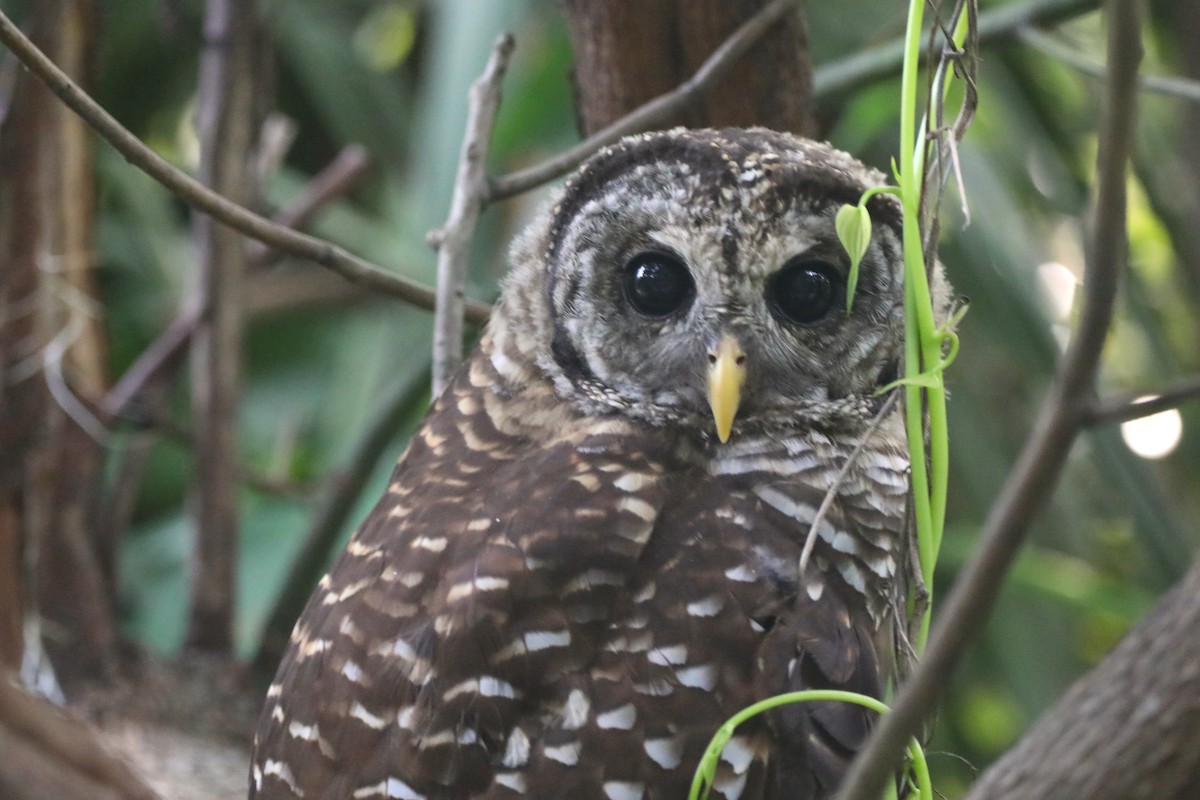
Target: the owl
(589, 556)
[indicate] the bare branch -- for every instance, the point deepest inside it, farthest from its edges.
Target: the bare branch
(336, 180)
(653, 113)
(191, 191)
(455, 237)
(1058, 423)
(1143, 404)
(1046, 44)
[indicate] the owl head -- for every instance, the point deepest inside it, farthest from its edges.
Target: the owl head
(695, 278)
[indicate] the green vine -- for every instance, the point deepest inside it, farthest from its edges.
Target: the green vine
(702, 781)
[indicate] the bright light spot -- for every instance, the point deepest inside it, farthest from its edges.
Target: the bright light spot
(1058, 285)
(1154, 436)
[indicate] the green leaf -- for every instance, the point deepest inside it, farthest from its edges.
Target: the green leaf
(853, 225)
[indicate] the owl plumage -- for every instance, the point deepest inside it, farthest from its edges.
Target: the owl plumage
(588, 557)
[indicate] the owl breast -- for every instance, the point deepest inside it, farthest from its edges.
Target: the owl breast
(576, 618)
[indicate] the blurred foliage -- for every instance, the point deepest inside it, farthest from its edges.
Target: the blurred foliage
(393, 75)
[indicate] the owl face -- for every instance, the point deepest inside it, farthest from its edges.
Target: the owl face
(695, 278)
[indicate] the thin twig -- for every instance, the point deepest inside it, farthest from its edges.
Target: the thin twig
(339, 177)
(152, 364)
(455, 237)
(831, 494)
(1115, 410)
(1045, 452)
(656, 111)
(1044, 43)
(191, 191)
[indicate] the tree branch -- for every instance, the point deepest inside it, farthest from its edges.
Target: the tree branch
(339, 177)
(470, 190)
(1143, 404)
(1058, 423)
(657, 111)
(1129, 728)
(354, 269)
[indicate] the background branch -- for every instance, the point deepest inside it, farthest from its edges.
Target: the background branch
(652, 114)
(228, 117)
(194, 193)
(1122, 409)
(1029, 485)
(455, 237)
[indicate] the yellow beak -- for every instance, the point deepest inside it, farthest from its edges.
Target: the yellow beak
(726, 373)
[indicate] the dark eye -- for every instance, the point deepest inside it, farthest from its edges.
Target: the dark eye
(658, 284)
(804, 291)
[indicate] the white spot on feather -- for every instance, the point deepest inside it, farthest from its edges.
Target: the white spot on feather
(668, 656)
(513, 780)
(543, 640)
(284, 773)
(703, 676)
(708, 607)
(667, 753)
(621, 718)
(624, 790)
(367, 718)
(485, 686)
(516, 750)
(576, 711)
(565, 754)
(741, 573)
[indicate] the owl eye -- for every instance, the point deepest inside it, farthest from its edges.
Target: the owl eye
(803, 292)
(658, 284)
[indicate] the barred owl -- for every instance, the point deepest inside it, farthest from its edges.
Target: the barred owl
(588, 557)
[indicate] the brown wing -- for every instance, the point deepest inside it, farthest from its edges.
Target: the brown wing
(718, 620)
(490, 564)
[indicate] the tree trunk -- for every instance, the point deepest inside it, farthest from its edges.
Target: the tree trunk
(46, 529)
(229, 105)
(1129, 729)
(629, 51)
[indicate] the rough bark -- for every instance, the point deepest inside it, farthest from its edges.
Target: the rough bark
(1129, 729)
(48, 219)
(629, 51)
(229, 104)
(22, 396)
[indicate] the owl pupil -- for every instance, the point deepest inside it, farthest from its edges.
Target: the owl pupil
(803, 292)
(658, 284)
